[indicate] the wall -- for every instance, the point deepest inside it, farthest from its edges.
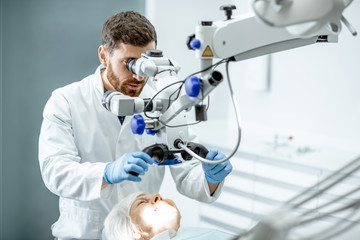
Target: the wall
(314, 90)
(313, 93)
(45, 44)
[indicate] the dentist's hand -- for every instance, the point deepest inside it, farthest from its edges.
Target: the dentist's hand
(216, 173)
(127, 167)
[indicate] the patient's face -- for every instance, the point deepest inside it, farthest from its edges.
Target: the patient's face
(152, 214)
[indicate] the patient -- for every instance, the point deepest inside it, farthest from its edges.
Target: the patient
(145, 217)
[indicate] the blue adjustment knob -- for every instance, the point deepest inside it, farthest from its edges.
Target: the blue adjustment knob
(137, 124)
(195, 44)
(151, 132)
(192, 86)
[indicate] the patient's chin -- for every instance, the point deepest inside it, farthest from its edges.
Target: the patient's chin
(167, 224)
(170, 222)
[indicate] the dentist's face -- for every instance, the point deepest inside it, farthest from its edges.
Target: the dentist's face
(116, 76)
(152, 214)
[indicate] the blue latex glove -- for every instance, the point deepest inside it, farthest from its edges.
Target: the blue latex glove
(216, 173)
(119, 170)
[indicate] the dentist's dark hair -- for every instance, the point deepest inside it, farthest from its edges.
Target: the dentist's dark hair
(127, 27)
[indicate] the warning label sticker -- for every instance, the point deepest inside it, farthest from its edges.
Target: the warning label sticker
(207, 52)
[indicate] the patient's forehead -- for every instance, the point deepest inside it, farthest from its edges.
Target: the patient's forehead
(141, 196)
(138, 198)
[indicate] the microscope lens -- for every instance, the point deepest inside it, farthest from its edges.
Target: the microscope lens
(130, 64)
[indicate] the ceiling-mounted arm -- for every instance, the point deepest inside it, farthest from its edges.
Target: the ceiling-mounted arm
(288, 24)
(303, 17)
(244, 37)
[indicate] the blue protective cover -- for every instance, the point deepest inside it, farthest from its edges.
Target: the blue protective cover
(192, 86)
(195, 44)
(171, 161)
(137, 124)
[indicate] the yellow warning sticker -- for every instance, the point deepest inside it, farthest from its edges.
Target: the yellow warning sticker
(207, 52)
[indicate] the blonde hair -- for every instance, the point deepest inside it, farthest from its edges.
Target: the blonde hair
(118, 225)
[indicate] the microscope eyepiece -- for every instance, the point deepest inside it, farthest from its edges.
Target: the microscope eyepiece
(130, 65)
(149, 63)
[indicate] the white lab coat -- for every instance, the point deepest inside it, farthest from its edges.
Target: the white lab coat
(78, 138)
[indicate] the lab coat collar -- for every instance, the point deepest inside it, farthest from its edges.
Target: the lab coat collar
(99, 85)
(166, 235)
